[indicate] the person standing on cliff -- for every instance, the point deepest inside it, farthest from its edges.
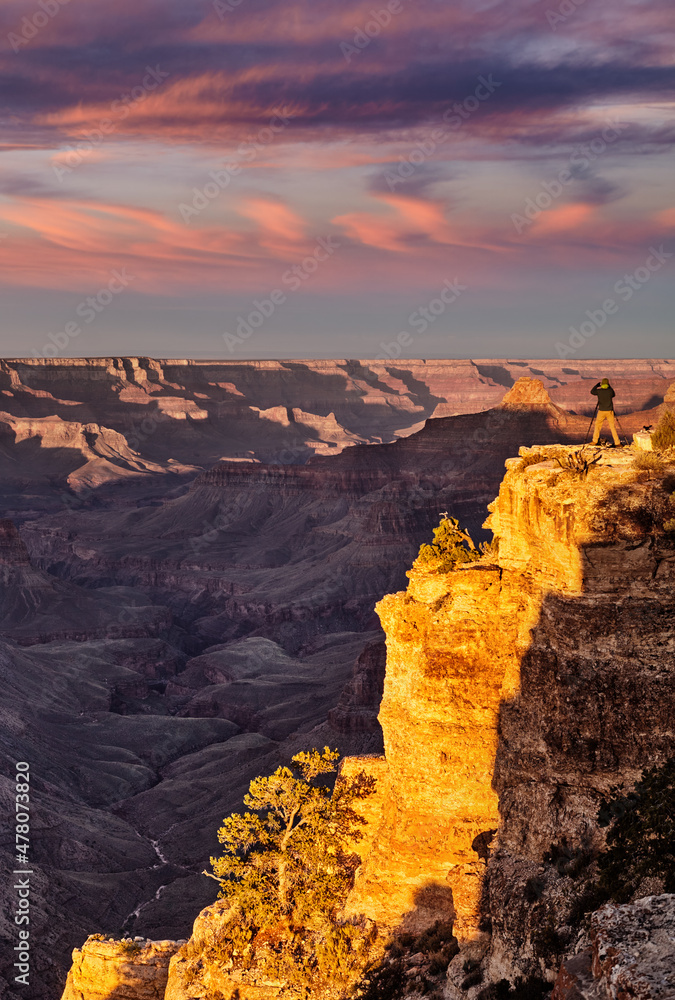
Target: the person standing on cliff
(605, 394)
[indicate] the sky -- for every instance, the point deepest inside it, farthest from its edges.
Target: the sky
(334, 178)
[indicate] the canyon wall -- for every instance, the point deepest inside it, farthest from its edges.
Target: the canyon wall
(518, 690)
(91, 424)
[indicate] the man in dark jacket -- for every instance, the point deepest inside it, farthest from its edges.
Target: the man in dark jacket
(605, 394)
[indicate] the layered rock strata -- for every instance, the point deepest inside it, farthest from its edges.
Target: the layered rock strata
(517, 692)
(84, 425)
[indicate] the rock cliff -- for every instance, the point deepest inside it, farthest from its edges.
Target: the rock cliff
(37, 608)
(87, 424)
(125, 970)
(632, 955)
(517, 691)
(271, 574)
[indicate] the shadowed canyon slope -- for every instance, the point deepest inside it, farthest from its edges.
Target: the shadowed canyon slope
(164, 641)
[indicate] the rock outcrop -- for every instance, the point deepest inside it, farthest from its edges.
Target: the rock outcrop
(37, 608)
(518, 690)
(293, 552)
(125, 970)
(271, 573)
(632, 955)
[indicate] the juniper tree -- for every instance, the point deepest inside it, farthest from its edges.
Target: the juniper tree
(451, 546)
(286, 859)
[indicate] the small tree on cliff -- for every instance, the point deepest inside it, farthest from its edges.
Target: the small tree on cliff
(286, 861)
(450, 547)
(641, 840)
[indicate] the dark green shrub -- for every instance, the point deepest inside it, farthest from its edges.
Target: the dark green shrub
(384, 982)
(438, 936)
(591, 899)
(534, 889)
(577, 463)
(641, 839)
(568, 861)
(129, 947)
(648, 461)
(524, 989)
(547, 943)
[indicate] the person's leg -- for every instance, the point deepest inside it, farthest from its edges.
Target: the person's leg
(599, 421)
(612, 426)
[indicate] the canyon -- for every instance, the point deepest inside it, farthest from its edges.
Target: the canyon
(190, 560)
(518, 690)
(72, 426)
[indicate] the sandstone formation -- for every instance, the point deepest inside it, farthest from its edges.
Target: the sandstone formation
(632, 955)
(123, 970)
(518, 690)
(512, 703)
(292, 552)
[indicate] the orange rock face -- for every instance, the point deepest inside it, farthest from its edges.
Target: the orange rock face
(463, 720)
(105, 969)
(454, 643)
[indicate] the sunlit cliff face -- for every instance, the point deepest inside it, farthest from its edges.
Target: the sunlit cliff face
(507, 147)
(506, 701)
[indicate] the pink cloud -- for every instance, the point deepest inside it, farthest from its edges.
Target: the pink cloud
(278, 225)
